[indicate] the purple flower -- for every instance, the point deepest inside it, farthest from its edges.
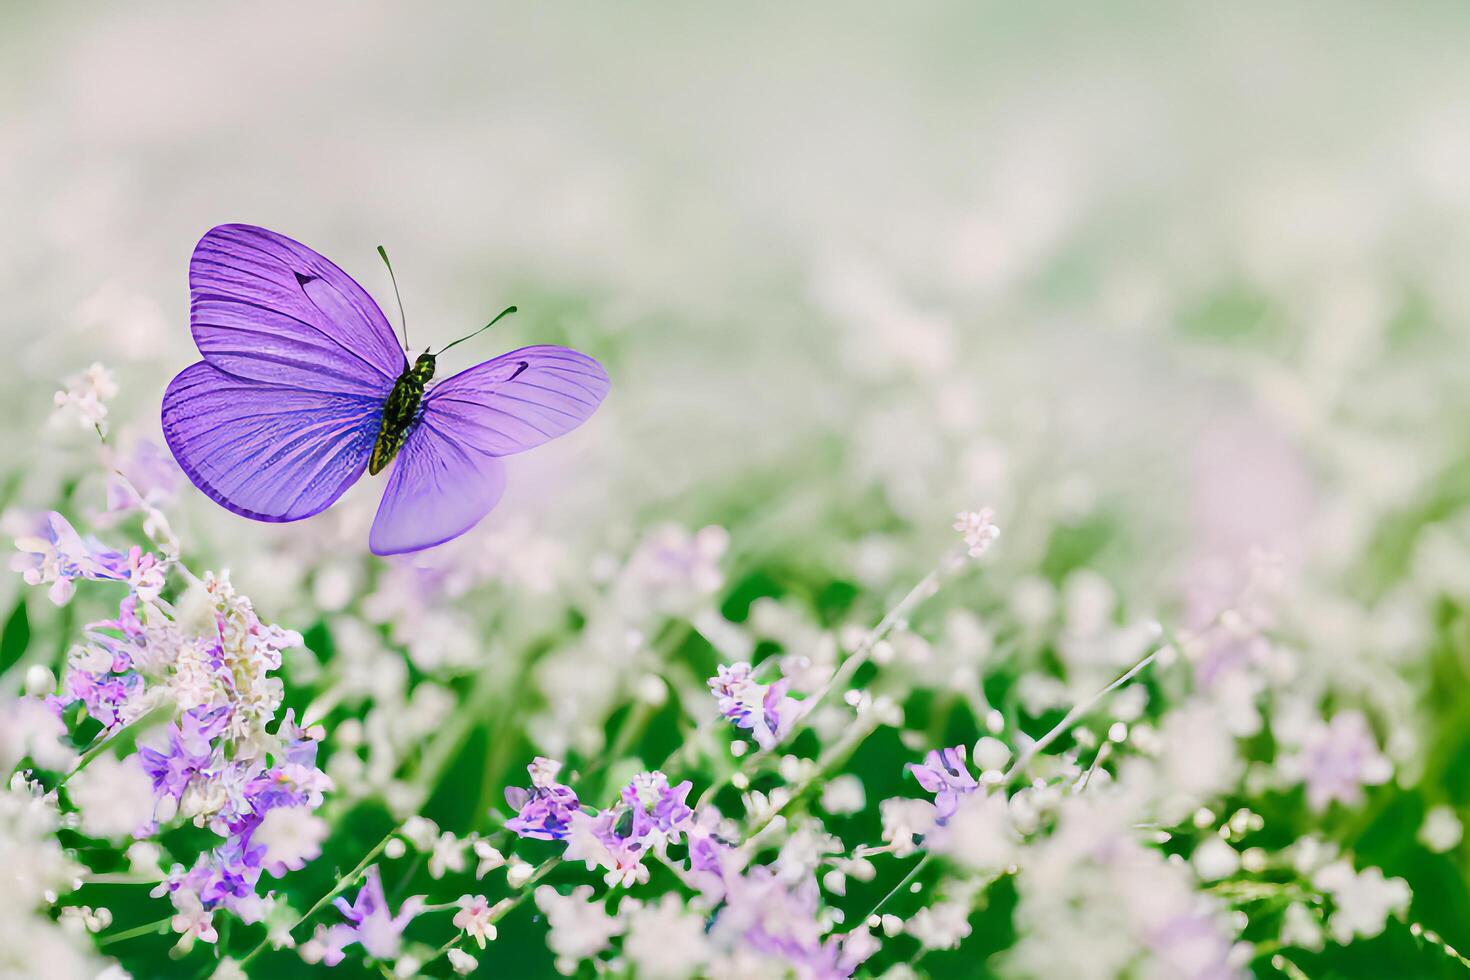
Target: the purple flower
(777, 713)
(944, 774)
(1337, 759)
(649, 815)
(188, 753)
(764, 710)
(608, 840)
(228, 876)
(778, 920)
(103, 694)
(657, 807)
(712, 861)
(544, 812)
(59, 555)
(369, 923)
(232, 870)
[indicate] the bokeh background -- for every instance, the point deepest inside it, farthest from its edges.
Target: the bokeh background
(1165, 284)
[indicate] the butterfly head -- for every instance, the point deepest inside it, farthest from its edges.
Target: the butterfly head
(423, 368)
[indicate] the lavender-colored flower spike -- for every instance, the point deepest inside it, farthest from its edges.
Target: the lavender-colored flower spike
(283, 413)
(765, 710)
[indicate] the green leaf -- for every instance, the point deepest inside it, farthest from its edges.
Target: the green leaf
(15, 637)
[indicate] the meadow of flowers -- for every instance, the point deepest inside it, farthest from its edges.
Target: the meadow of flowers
(1028, 534)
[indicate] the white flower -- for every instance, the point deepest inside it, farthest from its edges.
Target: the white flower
(462, 962)
(292, 836)
(115, 796)
(903, 820)
(1362, 901)
(941, 926)
(543, 771)
(447, 855)
(228, 969)
(665, 940)
(143, 857)
(843, 795)
(580, 927)
(87, 918)
(474, 918)
(1199, 758)
(978, 528)
(1301, 927)
(192, 921)
(1215, 859)
(85, 396)
(30, 729)
(979, 835)
(518, 872)
(488, 858)
(991, 753)
(1441, 830)
(421, 832)
(39, 680)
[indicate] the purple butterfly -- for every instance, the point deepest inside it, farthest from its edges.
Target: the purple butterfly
(303, 386)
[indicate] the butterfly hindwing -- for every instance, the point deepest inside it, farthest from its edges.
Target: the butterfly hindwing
(438, 489)
(268, 452)
(269, 309)
(449, 475)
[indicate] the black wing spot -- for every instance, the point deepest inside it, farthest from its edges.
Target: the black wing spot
(302, 280)
(519, 368)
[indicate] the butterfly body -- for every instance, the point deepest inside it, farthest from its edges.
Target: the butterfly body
(303, 388)
(400, 412)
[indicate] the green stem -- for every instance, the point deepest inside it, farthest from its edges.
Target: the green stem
(902, 884)
(1072, 717)
(157, 928)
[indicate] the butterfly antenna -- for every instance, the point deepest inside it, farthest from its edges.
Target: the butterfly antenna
(383, 254)
(503, 313)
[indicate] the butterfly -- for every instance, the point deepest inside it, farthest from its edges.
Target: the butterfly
(304, 387)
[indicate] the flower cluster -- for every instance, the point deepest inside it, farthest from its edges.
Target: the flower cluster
(261, 807)
(761, 913)
(198, 674)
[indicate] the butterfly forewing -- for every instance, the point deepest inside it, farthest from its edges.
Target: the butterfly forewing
(519, 400)
(267, 308)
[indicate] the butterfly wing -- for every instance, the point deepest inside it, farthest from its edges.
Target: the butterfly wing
(268, 452)
(449, 475)
(519, 400)
(439, 489)
(267, 308)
